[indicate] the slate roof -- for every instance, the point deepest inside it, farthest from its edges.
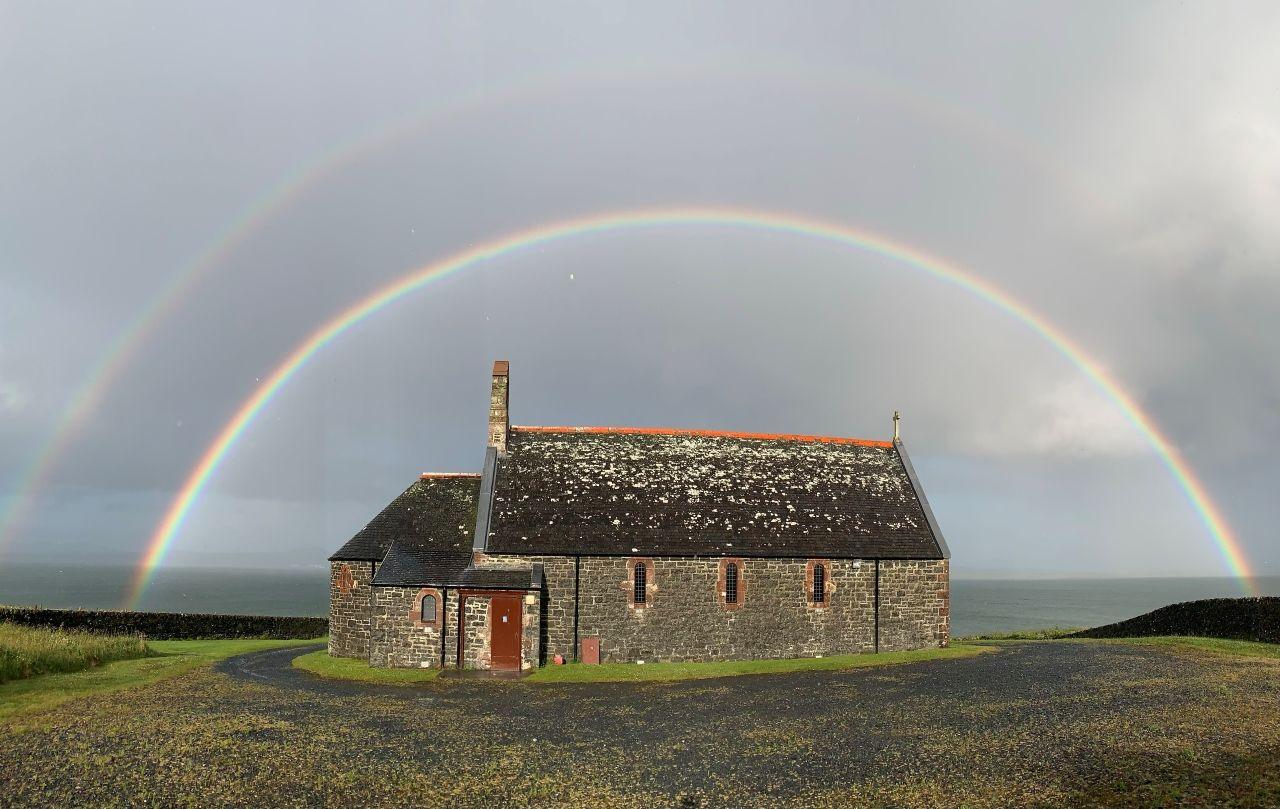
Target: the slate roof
(431, 523)
(567, 490)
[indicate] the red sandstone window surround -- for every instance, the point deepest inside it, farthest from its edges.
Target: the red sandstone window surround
(427, 608)
(346, 581)
(732, 586)
(640, 584)
(818, 586)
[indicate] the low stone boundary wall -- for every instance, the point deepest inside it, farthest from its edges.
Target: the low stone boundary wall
(169, 625)
(1234, 618)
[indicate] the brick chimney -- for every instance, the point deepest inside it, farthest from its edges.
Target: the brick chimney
(499, 416)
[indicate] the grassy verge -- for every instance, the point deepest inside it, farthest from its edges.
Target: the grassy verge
(345, 668)
(30, 652)
(173, 657)
(665, 672)
(1024, 634)
(1237, 648)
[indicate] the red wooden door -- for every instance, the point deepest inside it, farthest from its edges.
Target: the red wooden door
(504, 632)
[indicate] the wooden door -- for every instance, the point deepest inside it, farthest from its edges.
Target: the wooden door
(504, 632)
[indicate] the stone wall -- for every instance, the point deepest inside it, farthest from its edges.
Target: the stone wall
(686, 619)
(349, 609)
(399, 639)
(556, 602)
(451, 629)
(531, 630)
(475, 633)
(915, 604)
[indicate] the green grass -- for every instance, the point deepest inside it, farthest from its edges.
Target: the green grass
(1025, 634)
(346, 668)
(171, 658)
(32, 651)
(665, 672)
(1237, 648)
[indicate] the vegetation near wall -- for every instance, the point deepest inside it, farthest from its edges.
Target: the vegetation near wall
(26, 652)
(169, 625)
(1256, 619)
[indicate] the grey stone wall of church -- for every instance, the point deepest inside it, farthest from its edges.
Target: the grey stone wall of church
(685, 618)
(349, 609)
(915, 604)
(397, 640)
(556, 636)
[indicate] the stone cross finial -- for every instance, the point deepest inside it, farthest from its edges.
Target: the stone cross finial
(896, 418)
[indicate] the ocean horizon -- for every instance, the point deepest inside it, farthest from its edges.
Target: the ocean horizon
(978, 605)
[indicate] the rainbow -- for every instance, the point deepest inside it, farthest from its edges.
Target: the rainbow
(120, 353)
(195, 482)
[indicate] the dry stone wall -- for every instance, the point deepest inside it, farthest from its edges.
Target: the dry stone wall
(350, 622)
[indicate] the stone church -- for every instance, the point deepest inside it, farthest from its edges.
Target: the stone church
(623, 545)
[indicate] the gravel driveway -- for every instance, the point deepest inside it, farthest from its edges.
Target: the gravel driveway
(1049, 723)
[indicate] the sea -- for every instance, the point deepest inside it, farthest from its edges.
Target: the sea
(978, 606)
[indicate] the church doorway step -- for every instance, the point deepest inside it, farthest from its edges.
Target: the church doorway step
(505, 612)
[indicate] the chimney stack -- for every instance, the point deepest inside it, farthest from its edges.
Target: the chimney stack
(499, 416)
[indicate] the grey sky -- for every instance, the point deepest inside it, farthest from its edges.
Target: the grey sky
(1117, 168)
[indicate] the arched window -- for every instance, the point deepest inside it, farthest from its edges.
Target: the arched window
(731, 583)
(641, 580)
(428, 613)
(819, 583)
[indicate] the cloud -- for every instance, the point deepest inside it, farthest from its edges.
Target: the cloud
(1071, 418)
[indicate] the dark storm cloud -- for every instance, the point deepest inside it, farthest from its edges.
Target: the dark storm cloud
(1112, 168)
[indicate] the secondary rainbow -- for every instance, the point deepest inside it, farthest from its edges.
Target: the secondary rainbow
(22, 496)
(195, 482)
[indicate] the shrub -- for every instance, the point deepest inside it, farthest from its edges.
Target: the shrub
(26, 652)
(169, 625)
(1256, 619)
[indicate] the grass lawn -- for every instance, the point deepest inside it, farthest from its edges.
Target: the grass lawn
(658, 672)
(172, 657)
(1237, 648)
(346, 668)
(31, 651)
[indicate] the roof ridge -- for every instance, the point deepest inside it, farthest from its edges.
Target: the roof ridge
(426, 475)
(823, 439)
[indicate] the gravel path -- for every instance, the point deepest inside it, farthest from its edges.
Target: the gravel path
(1054, 723)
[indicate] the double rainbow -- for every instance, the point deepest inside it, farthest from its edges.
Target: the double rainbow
(198, 478)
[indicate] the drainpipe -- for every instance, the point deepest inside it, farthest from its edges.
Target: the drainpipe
(577, 571)
(877, 598)
(444, 622)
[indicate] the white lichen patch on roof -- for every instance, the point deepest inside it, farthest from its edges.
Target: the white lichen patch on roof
(652, 490)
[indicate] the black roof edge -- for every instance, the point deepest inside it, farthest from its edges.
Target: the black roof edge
(484, 506)
(454, 585)
(337, 558)
(924, 501)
